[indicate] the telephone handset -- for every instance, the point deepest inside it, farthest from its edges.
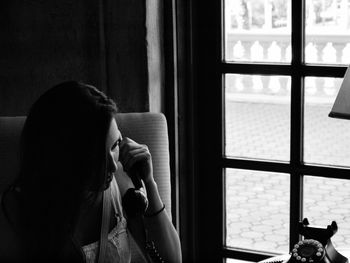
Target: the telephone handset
(135, 201)
(316, 247)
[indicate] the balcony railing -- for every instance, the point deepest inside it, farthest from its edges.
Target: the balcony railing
(274, 46)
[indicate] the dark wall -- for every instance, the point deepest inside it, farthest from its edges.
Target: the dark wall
(45, 42)
(126, 54)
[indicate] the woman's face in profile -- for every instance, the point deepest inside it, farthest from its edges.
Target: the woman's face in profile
(113, 141)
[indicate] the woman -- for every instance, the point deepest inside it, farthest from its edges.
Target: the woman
(70, 146)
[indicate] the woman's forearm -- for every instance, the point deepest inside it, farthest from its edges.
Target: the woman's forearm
(160, 228)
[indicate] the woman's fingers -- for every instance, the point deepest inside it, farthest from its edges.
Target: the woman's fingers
(128, 144)
(132, 152)
(128, 158)
(141, 158)
(125, 146)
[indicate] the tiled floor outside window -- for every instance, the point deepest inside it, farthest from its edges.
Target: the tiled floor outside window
(258, 203)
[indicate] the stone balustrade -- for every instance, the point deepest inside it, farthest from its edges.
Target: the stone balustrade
(275, 46)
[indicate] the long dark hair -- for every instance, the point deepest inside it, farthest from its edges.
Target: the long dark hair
(62, 163)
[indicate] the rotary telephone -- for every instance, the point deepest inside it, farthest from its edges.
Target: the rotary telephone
(316, 247)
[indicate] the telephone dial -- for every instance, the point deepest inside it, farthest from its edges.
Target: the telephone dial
(316, 247)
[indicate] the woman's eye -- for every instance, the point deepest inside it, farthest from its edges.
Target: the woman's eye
(116, 144)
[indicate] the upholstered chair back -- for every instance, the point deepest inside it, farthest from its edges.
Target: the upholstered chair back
(144, 128)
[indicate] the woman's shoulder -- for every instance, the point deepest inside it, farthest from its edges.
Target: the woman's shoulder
(9, 239)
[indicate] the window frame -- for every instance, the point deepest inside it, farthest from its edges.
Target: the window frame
(207, 111)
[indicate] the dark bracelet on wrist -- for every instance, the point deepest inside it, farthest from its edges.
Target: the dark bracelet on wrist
(157, 212)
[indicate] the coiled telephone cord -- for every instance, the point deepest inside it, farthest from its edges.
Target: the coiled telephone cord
(153, 252)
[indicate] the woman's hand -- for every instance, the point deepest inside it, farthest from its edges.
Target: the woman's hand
(136, 158)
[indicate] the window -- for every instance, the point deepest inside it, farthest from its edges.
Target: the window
(281, 157)
(263, 125)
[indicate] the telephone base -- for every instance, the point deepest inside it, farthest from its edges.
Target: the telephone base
(316, 247)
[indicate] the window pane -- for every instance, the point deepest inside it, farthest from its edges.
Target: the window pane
(257, 30)
(257, 116)
(257, 210)
(327, 200)
(326, 140)
(327, 34)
